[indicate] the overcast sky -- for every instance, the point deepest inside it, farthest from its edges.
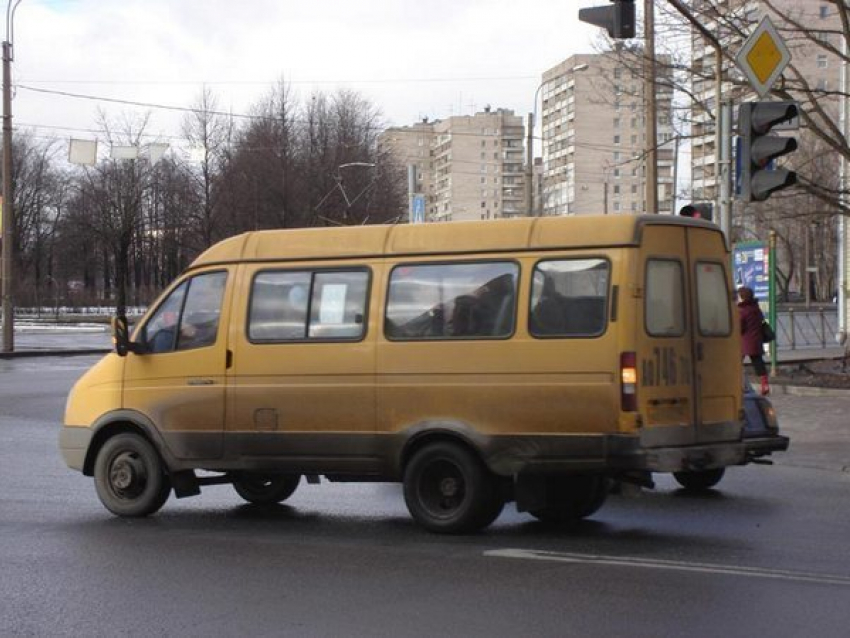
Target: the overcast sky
(411, 59)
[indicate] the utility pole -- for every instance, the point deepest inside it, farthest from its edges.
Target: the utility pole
(725, 211)
(8, 218)
(529, 166)
(651, 113)
(843, 238)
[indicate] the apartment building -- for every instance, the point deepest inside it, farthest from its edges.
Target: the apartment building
(594, 137)
(468, 167)
(819, 70)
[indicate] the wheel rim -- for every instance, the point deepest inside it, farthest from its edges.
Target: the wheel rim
(128, 476)
(442, 489)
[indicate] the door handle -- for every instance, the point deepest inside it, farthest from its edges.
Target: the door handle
(200, 382)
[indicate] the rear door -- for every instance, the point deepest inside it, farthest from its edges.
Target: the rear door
(717, 344)
(665, 352)
(688, 357)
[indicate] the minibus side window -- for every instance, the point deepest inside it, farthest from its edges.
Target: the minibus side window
(194, 306)
(201, 311)
(452, 301)
(300, 305)
(338, 305)
(713, 304)
(160, 332)
(664, 306)
(569, 298)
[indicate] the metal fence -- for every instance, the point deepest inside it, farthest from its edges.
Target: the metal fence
(806, 328)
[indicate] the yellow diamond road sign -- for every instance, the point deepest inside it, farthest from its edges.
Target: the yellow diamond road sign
(763, 57)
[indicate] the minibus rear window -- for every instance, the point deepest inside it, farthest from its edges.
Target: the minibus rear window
(569, 298)
(664, 305)
(452, 301)
(713, 303)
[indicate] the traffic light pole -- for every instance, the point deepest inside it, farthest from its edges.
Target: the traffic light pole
(651, 115)
(724, 204)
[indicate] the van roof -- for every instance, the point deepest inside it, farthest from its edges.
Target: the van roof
(540, 233)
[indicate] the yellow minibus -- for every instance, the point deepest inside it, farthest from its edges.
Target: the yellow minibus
(477, 363)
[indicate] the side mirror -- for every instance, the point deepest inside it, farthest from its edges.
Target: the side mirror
(121, 336)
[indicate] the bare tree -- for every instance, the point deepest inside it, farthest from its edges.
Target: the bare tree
(210, 135)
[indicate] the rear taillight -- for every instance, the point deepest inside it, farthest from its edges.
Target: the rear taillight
(628, 382)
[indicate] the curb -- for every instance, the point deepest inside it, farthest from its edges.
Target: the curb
(807, 391)
(18, 354)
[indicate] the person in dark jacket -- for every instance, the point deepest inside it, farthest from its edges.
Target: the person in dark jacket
(752, 345)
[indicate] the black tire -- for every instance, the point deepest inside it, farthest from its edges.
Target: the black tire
(449, 490)
(572, 498)
(130, 477)
(265, 489)
(699, 481)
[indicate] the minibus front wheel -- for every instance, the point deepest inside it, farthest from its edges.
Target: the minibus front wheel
(130, 477)
(449, 490)
(265, 489)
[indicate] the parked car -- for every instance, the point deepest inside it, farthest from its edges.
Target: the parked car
(761, 438)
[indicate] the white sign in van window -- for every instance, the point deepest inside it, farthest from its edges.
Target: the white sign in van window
(332, 310)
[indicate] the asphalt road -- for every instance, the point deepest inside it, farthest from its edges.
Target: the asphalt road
(765, 554)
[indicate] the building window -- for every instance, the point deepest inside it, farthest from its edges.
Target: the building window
(616, 189)
(616, 207)
(617, 173)
(822, 61)
(616, 156)
(824, 11)
(618, 73)
(616, 122)
(616, 139)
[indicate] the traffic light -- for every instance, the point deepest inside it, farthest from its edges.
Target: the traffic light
(618, 20)
(701, 210)
(759, 179)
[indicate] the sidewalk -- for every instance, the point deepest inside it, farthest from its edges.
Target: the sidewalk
(45, 341)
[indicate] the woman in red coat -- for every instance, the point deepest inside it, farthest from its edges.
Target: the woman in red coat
(752, 345)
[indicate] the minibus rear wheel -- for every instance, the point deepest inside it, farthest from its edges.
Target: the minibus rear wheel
(449, 490)
(130, 477)
(699, 480)
(265, 489)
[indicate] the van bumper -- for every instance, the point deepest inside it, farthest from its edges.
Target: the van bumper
(74, 443)
(765, 445)
(611, 453)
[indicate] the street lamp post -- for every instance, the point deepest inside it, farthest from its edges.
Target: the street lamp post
(8, 213)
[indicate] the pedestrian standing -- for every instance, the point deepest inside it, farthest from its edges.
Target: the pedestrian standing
(752, 343)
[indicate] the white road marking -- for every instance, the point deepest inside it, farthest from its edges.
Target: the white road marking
(682, 566)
